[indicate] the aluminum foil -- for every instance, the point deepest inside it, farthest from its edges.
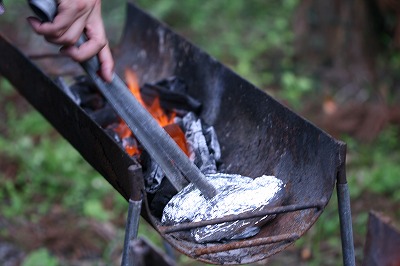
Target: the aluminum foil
(237, 194)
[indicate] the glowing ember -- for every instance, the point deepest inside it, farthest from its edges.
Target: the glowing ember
(176, 133)
(164, 119)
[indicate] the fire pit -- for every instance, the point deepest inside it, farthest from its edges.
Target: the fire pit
(258, 136)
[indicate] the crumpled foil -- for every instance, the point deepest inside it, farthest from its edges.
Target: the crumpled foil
(236, 194)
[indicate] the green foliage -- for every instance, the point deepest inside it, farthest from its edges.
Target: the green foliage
(146, 231)
(13, 9)
(373, 168)
(254, 38)
(241, 34)
(257, 42)
(93, 208)
(394, 60)
(294, 87)
(40, 257)
(377, 164)
(5, 87)
(48, 171)
(325, 230)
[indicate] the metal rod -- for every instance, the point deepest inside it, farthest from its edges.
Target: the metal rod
(131, 231)
(245, 244)
(136, 183)
(242, 216)
(346, 228)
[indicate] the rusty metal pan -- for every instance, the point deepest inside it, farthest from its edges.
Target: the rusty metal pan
(257, 134)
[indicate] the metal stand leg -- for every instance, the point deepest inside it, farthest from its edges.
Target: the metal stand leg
(346, 228)
(138, 252)
(132, 221)
(131, 231)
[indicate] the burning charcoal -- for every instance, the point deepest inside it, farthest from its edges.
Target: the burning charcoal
(173, 96)
(174, 84)
(104, 116)
(92, 101)
(111, 132)
(203, 155)
(67, 89)
(158, 200)
(237, 195)
(87, 94)
(131, 146)
(159, 189)
(177, 134)
(84, 81)
(200, 154)
(212, 142)
(153, 177)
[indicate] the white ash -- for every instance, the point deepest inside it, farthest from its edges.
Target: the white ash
(203, 153)
(203, 147)
(237, 194)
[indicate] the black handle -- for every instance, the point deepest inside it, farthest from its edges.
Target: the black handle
(2, 9)
(46, 10)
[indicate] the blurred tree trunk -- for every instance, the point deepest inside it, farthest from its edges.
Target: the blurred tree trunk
(339, 40)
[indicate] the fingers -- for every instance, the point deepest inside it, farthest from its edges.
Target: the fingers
(66, 36)
(75, 17)
(69, 22)
(88, 49)
(60, 37)
(107, 64)
(84, 52)
(96, 44)
(59, 32)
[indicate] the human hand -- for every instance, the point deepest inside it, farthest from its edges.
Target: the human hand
(75, 17)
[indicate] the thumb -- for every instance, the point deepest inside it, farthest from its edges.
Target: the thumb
(34, 22)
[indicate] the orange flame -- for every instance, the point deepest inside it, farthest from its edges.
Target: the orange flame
(165, 120)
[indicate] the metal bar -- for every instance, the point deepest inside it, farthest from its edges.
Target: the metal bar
(131, 231)
(242, 216)
(245, 244)
(136, 183)
(346, 227)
